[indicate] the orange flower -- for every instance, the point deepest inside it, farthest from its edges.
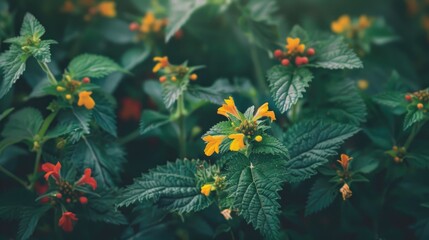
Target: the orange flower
(207, 188)
(341, 25)
(87, 179)
(237, 141)
(52, 170)
(226, 213)
(213, 143)
(107, 9)
(66, 221)
(162, 62)
(130, 109)
(86, 100)
(263, 112)
(294, 46)
(228, 108)
(345, 191)
(364, 22)
(345, 161)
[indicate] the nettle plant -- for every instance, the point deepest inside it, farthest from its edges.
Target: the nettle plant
(74, 140)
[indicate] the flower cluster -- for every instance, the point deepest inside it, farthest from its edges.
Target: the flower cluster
(66, 193)
(397, 153)
(91, 8)
(69, 89)
(172, 72)
(344, 175)
(419, 100)
(348, 28)
(242, 129)
(295, 52)
(149, 24)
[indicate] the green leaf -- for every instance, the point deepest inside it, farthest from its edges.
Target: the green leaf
(216, 93)
(104, 113)
(12, 63)
(172, 187)
(102, 209)
(151, 120)
(252, 184)
(395, 101)
(134, 56)
(78, 118)
(171, 91)
(270, 145)
(287, 85)
(42, 52)
(101, 154)
(413, 116)
(5, 113)
(322, 194)
(311, 143)
(333, 53)
(179, 13)
(418, 159)
(23, 124)
(93, 66)
(29, 219)
(31, 27)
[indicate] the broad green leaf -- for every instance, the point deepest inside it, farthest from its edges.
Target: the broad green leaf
(12, 64)
(134, 56)
(23, 124)
(154, 90)
(42, 52)
(262, 10)
(418, 159)
(171, 91)
(414, 116)
(270, 145)
(322, 194)
(253, 184)
(395, 101)
(311, 143)
(29, 219)
(287, 85)
(259, 33)
(78, 118)
(364, 163)
(151, 120)
(172, 187)
(93, 66)
(102, 209)
(216, 93)
(178, 14)
(104, 113)
(31, 27)
(333, 53)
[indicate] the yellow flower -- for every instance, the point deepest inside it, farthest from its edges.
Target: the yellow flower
(362, 84)
(162, 62)
(237, 141)
(228, 108)
(263, 112)
(258, 138)
(293, 45)
(207, 188)
(345, 191)
(60, 89)
(86, 100)
(342, 24)
(344, 161)
(107, 9)
(364, 22)
(147, 22)
(213, 143)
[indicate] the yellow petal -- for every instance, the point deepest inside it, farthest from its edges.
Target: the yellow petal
(263, 112)
(237, 142)
(213, 143)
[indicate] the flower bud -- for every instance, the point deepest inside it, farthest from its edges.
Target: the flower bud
(285, 62)
(311, 52)
(408, 98)
(163, 79)
(68, 200)
(59, 195)
(83, 200)
(278, 53)
(86, 80)
(193, 77)
(60, 89)
(173, 78)
(134, 26)
(420, 106)
(68, 96)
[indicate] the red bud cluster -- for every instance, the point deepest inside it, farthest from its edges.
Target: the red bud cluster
(299, 60)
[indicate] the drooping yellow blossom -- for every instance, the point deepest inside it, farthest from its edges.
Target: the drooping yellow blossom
(86, 100)
(294, 46)
(258, 138)
(226, 213)
(341, 25)
(237, 141)
(364, 22)
(162, 62)
(151, 24)
(344, 161)
(213, 143)
(107, 9)
(263, 112)
(228, 108)
(362, 84)
(207, 188)
(345, 191)
(68, 6)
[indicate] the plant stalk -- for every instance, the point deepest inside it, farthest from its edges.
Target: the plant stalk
(182, 126)
(48, 72)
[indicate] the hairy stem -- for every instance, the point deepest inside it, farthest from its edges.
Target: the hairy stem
(48, 72)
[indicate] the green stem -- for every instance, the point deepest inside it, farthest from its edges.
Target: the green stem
(130, 137)
(13, 176)
(260, 79)
(47, 123)
(182, 127)
(414, 131)
(48, 72)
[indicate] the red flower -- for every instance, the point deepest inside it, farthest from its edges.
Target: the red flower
(41, 189)
(130, 109)
(87, 179)
(66, 221)
(52, 169)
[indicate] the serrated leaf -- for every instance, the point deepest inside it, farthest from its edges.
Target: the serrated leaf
(311, 143)
(104, 113)
(270, 145)
(78, 119)
(333, 53)
(31, 27)
(171, 91)
(172, 187)
(252, 184)
(287, 85)
(93, 66)
(23, 124)
(102, 209)
(216, 93)
(178, 14)
(12, 64)
(151, 120)
(393, 100)
(413, 116)
(321, 195)
(42, 52)
(29, 219)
